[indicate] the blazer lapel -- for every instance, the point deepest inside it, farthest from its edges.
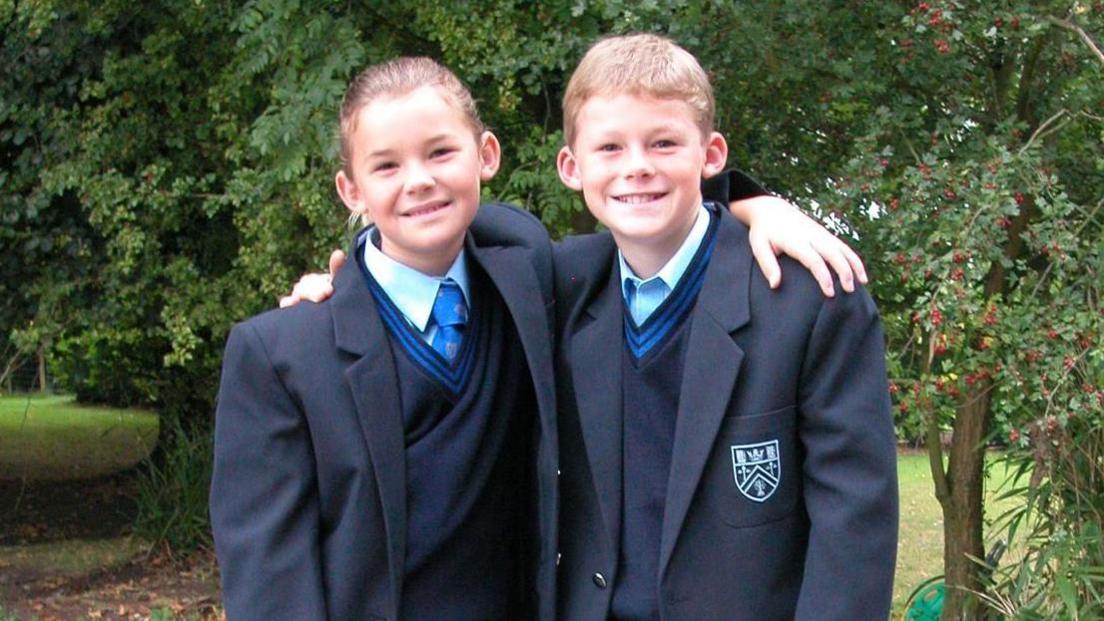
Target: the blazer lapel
(373, 382)
(512, 273)
(596, 358)
(709, 374)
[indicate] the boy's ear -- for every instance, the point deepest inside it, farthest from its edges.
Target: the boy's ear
(716, 155)
(568, 169)
(347, 190)
(490, 155)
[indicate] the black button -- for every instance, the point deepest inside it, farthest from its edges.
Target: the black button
(599, 580)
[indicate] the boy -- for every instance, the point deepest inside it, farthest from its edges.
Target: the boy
(391, 454)
(735, 458)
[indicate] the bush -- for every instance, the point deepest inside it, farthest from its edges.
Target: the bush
(172, 491)
(1062, 488)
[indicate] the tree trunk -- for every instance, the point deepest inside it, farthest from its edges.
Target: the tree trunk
(963, 507)
(41, 369)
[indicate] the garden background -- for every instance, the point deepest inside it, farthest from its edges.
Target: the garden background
(166, 170)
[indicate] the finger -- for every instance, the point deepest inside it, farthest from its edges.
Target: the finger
(289, 300)
(337, 259)
(765, 257)
(856, 263)
(313, 287)
(808, 256)
(832, 252)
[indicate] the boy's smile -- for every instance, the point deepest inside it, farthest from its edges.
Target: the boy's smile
(416, 170)
(639, 162)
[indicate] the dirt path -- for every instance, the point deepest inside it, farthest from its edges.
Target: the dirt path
(66, 553)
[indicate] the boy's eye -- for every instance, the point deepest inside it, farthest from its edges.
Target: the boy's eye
(384, 166)
(441, 152)
(665, 143)
(608, 147)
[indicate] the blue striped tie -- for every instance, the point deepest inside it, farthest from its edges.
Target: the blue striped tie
(451, 314)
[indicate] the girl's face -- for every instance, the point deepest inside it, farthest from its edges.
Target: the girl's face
(416, 171)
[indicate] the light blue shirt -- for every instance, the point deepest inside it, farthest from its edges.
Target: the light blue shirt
(642, 297)
(413, 292)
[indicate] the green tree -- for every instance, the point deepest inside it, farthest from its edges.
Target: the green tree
(167, 169)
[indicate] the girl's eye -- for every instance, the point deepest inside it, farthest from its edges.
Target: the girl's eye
(384, 166)
(608, 147)
(441, 152)
(665, 144)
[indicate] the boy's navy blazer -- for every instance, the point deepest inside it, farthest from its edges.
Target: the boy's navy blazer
(308, 499)
(760, 366)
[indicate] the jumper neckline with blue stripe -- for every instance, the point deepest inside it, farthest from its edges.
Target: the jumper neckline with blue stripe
(687, 270)
(412, 292)
(415, 342)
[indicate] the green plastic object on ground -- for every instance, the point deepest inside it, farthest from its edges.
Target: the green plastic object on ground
(926, 601)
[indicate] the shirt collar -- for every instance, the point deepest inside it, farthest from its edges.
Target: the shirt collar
(412, 292)
(676, 266)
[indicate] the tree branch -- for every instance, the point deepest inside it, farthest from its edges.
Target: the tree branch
(1072, 27)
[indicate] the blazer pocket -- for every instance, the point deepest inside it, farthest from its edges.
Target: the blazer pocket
(754, 474)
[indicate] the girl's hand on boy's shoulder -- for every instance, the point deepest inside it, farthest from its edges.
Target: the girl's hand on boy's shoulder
(315, 287)
(778, 227)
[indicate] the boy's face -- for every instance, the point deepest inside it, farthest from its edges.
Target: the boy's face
(416, 171)
(639, 162)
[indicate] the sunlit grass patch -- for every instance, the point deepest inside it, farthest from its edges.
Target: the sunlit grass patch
(53, 437)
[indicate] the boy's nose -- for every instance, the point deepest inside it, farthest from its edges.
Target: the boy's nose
(418, 179)
(638, 164)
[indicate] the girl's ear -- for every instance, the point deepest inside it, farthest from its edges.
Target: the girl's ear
(350, 195)
(716, 155)
(490, 155)
(568, 168)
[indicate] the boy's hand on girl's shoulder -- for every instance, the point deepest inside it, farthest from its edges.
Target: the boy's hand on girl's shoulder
(778, 227)
(315, 287)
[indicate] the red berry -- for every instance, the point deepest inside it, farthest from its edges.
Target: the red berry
(1014, 436)
(1020, 198)
(936, 317)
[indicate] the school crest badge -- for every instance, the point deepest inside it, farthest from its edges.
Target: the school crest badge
(757, 469)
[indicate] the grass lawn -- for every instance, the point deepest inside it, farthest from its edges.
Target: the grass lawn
(52, 437)
(920, 546)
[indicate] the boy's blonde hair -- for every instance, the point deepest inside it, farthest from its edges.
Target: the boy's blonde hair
(395, 78)
(639, 64)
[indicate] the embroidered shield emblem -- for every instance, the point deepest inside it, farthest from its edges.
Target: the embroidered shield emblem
(757, 469)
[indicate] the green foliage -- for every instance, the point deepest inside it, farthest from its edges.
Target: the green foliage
(172, 490)
(153, 190)
(1062, 480)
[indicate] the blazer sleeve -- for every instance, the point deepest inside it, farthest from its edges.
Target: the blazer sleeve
(264, 494)
(850, 472)
(731, 185)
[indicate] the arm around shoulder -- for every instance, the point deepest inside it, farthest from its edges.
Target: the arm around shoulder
(264, 497)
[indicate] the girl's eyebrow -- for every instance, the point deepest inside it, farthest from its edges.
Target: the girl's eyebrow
(387, 152)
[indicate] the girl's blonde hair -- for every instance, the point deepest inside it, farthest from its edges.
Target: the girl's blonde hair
(395, 78)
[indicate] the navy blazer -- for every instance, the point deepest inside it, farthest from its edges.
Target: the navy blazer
(308, 498)
(786, 369)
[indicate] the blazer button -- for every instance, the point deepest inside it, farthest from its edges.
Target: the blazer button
(599, 580)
